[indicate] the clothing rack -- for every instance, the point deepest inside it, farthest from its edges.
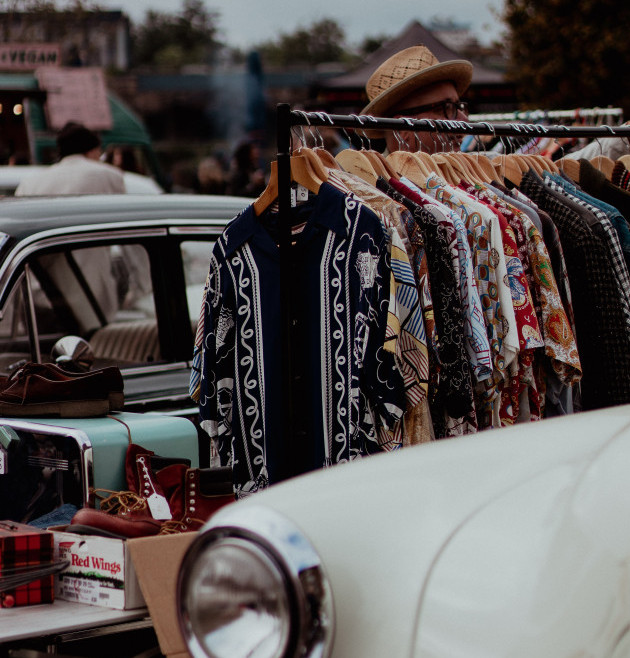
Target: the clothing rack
(287, 119)
(615, 113)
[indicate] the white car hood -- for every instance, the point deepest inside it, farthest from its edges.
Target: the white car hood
(384, 524)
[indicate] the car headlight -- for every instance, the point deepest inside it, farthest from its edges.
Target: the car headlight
(251, 585)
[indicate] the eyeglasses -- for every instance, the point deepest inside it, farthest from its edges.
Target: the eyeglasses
(450, 109)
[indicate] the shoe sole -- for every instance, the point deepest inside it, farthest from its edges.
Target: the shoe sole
(62, 409)
(116, 401)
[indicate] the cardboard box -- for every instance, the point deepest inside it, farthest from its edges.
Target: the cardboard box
(22, 547)
(100, 571)
(157, 561)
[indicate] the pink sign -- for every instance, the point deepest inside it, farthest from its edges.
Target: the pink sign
(75, 94)
(28, 56)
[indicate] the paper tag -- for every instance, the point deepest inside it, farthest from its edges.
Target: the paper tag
(159, 507)
(293, 198)
(302, 193)
(3, 461)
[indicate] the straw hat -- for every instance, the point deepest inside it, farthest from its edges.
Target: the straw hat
(408, 70)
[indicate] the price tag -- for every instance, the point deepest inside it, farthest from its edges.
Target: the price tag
(159, 507)
(302, 193)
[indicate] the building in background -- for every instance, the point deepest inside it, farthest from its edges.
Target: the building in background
(52, 70)
(345, 94)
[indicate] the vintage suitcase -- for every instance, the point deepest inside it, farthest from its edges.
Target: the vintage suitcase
(47, 464)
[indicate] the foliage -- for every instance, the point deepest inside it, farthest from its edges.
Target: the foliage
(320, 43)
(372, 43)
(173, 40)
(569, 53)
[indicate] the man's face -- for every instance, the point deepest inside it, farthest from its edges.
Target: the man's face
(443, 96)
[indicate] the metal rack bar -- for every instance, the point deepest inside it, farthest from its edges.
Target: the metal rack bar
(366, 122)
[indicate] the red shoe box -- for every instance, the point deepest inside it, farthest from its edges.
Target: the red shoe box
(22, 546)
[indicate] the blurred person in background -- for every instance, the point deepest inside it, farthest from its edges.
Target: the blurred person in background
(79, 170)
(245, 176)
(123, 157)
(211, 176)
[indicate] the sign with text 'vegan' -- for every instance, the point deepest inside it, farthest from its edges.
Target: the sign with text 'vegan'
(28, 56)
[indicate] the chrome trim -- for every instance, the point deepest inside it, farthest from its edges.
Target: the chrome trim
(33, 331)
(158, 398)
(150, 369)
(80, 437)
(197, 230)
(313, 617)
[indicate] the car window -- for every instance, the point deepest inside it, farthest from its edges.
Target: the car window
(103, 294)
(196, 258)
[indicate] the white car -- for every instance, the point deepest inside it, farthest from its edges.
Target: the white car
(12, 176)
(510, 543)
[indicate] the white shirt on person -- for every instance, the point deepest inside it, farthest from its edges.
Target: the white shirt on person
(74, 174)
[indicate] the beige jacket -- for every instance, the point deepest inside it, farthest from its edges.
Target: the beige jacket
(74, 174)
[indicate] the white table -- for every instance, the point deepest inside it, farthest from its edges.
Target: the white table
(63, 617)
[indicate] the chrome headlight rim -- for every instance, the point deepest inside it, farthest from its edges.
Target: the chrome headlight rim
(265, 531)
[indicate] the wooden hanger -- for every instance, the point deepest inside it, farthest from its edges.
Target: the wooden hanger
(357, 162)
(459, 167)
(407, 165)
(427, 162)
(327, 159)
(570, 167)
(625, 160)
(468, 166)
(508, 168)
(604, 164)
(547, 163)
(527, 162)
(306, 170)
(484, 166)
(446, 168)
(381, 165)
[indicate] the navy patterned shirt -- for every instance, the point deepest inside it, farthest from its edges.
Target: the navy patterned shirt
(344, 383)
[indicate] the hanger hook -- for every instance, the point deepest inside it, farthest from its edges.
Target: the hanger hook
(323, 116)
(302, 133)
(411, 125)
(400, 140)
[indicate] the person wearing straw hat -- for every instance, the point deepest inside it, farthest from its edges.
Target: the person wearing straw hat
(414, 83)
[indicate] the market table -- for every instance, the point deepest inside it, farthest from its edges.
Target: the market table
(54, 625)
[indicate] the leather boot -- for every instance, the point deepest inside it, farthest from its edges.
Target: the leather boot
(201, 492)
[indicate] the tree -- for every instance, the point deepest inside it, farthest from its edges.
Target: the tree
(371, 44)
(568, 53)
(174, 40)
(321, 42)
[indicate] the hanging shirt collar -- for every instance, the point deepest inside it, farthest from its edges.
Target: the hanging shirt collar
(328, 211)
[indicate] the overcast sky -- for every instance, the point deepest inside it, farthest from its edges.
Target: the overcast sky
(245, 22)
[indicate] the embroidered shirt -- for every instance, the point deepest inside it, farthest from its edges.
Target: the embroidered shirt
(344, 383)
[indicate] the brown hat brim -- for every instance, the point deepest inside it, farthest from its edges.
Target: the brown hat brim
(457, 71)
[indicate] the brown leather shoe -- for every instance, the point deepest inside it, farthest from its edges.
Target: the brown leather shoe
(43, 389)
(119, 525)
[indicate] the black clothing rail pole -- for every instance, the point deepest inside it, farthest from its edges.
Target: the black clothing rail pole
(283, 137)
(286, 119)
